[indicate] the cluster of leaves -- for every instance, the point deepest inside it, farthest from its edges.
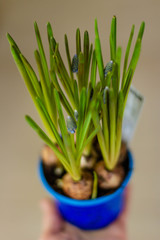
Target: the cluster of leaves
(47, 94)
(113, 100)
(93, 108)
(115, 93)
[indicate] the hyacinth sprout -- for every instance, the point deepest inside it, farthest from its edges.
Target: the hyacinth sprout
(94, 108)
(112, 101)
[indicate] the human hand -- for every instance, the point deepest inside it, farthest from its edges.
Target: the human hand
(55, 228)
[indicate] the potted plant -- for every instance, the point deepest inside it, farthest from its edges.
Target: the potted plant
(81, 165)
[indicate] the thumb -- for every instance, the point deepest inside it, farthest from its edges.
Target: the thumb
(52, 222)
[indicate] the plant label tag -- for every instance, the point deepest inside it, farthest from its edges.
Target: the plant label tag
(131, 114)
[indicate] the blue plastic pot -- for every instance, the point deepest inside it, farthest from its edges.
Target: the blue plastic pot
(94, 213)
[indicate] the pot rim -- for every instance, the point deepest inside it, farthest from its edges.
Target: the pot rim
(89, 202)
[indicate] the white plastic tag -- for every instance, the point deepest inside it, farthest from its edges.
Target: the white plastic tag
(131, 114)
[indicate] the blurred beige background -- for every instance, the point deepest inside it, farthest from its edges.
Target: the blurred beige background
(20, 189)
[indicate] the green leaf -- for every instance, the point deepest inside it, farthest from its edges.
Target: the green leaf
(68, 55)
(60, 113)
(64, 100)
(42, 56)
(141, 31)
(81, 83)
(50, 41)
(127, 86)
(99, 54)
(81, 115)
(100, 136)
(86, 57)
(47, 95)
(22, 71)
(93, 70)
(127, 54)
(90, 137)
(88, 65)
(131, 68)
(55, 132)
(105, 117)
(78, 42)
(72, 159)
(118, 62)
(85, 129)
(119, 126)
(108, 79)
(63, 75)
(134, 59)
(97, 90)
(95, 185)
(113, 38)
(136, 54)
(112, 124)
(76, 94)
(62, 80)
(32, 76)
(46, 139)
(12, 43)
(30, 88)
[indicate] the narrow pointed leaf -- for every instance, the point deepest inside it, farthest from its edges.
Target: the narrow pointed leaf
(119, 125)
(46, 94)
(81, 71)
(42, 56)
(93, 70)
(68, 56)
(32, 75)
(112, 124)
(127, 54)
(113, 38)
(95, 185)
(99, 53)
(86, 57)
(78, 42)
(45, 138)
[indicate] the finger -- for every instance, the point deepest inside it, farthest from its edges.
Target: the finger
(56, 236)
(52, 221)
(127, 195)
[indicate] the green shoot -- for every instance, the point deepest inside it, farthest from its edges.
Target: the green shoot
(113, 38)
(78, 42)
(68, 56)
(71, 152)
(95, 185)
(42, 56)
(114, 92)
(99, 54)
(94, 108)
(127, 54)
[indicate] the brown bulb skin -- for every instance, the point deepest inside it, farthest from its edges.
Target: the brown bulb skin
(109, 179)
(123, 152)
(81, 189)
(48, 156)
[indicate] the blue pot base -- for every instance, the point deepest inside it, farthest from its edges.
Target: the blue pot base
(94, 213)
(91, 221)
